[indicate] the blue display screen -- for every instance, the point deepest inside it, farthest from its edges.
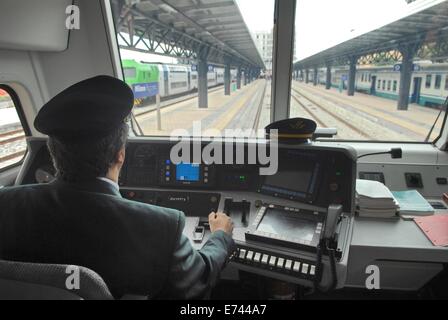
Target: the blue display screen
(187, 172)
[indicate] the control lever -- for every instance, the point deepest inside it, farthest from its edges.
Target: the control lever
(228, 206)
(333, 214)
(244, 212)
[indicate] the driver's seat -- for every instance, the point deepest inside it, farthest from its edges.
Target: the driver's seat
(34, 281)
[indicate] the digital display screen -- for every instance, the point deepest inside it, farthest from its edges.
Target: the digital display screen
(288, 224)
(188, 172)
(296, 176)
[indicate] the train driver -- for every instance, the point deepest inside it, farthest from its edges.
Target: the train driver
(81, 218)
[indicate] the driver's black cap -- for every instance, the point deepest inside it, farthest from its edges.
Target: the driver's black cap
(90, 108)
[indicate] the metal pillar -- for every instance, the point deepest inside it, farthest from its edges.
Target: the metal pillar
(284, 17)
(307, 76)
(328, 79)
(227, 80)
(352, 76)
(202, 83)
(245, 77)
(315, 78)
(408, 52)
(301, 75)
(238, 78)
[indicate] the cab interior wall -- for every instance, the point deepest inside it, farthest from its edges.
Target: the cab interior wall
(43, 74)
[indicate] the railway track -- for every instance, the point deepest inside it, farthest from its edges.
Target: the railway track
(11, 136)
(8, 138)
(327, 111)
(414, 125)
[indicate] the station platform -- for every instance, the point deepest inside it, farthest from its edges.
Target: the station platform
(365, 117)
(241, 110)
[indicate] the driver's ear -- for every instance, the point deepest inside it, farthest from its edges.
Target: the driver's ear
(121, 156)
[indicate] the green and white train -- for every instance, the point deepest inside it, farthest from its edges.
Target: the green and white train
(149, 79)
(429, 85)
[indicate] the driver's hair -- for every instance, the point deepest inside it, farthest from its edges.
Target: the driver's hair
(89, 158)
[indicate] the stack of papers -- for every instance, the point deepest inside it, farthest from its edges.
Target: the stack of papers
(412, 203)
(375, 200)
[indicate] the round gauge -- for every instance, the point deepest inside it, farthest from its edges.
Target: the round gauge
(44, 174)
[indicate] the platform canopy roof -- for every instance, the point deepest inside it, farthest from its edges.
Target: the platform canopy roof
(215, 27)
(422, 26)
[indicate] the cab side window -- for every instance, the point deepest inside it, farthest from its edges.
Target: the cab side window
(12, 134)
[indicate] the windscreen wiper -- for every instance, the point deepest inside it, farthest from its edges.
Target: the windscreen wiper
(443, 108)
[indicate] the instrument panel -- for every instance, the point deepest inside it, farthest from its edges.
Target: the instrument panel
(317, 176)
(293, 225)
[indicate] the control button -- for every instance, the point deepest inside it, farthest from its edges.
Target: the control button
(205, 180)
(272, 261)
(167, 179)
(205, 174)
(312, 270)
(257, 257)
(250, 255)
(264, 259)
(305, 268)
(296, 267)
(242, 254)
(205, 168)
(280, 262)
(288, 264)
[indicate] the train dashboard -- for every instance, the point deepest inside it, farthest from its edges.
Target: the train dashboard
(262, 207)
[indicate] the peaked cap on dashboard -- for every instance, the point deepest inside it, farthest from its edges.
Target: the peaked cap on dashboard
(90, 108)
(297, 129)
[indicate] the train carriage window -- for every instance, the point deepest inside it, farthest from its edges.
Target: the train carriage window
(438, 81)
(365, 45)
(130, 73)
(167, 40)
(428, 81)
(12, 134)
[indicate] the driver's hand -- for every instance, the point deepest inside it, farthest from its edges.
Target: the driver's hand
(220, 221)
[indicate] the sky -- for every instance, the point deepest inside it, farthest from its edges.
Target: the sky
(321, 24)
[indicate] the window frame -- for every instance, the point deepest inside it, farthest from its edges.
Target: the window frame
(428, 85)
(438, 84)
(22, 118)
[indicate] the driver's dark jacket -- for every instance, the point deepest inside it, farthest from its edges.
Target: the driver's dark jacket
(135, 247)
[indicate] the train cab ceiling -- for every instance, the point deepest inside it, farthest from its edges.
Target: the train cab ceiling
(236, 175)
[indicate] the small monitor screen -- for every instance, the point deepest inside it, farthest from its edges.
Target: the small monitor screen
(287, 224)
(188, 172)
(296, 176)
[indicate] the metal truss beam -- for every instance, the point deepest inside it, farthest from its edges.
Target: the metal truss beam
(153, 36)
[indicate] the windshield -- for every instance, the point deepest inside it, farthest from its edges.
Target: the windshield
(197, 68)
(374, 70)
